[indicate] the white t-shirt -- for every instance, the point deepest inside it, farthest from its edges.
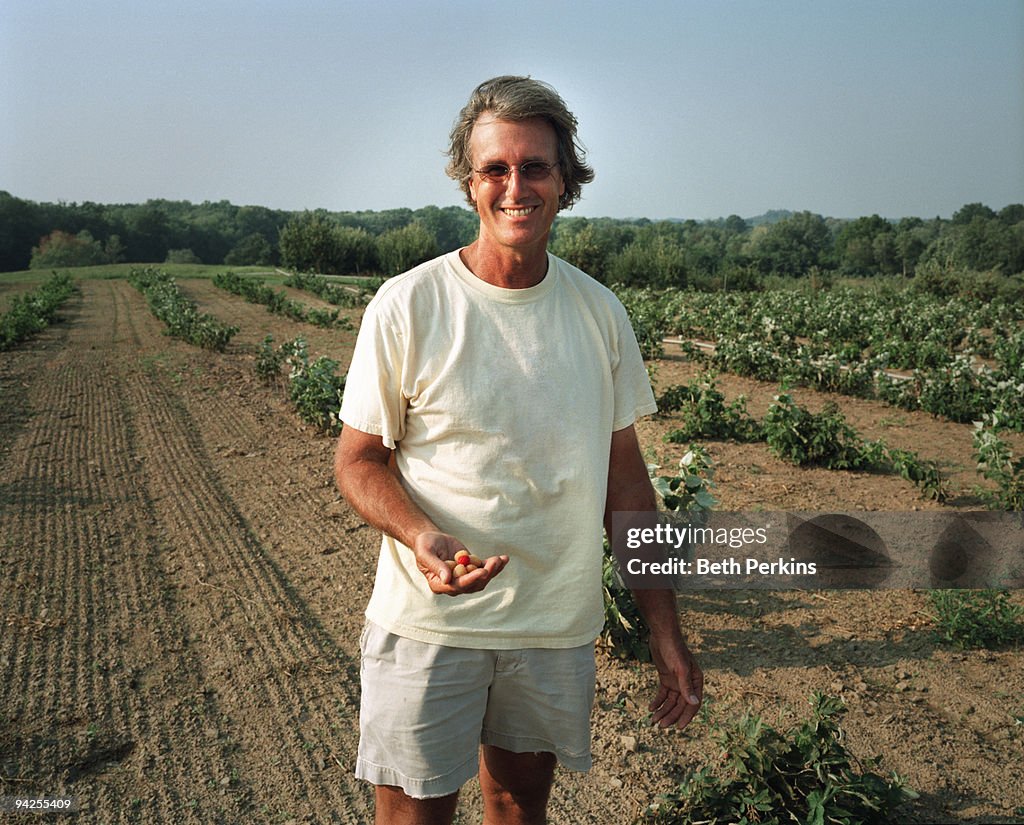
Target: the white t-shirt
(500, 404)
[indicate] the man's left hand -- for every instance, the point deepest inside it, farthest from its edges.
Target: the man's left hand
(681, 688)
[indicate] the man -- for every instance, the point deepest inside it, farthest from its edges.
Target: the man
(489, 407)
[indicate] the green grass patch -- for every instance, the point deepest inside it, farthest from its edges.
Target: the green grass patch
(975, 619)
(115, 271)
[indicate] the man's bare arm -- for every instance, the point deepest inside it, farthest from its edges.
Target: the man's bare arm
(364, 473)
(681, 687)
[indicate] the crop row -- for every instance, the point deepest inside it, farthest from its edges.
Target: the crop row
(964, 359)
(792, 433)
(337, 294)
(314, 387)
(33, 312)
(277, 302)
(179, 314)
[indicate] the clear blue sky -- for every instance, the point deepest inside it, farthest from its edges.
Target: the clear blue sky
(688, 109)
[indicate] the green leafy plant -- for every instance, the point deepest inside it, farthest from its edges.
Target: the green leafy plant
(972, 619)
(705, 414)
(805, 775)
(689, 490)
(821, 439)
(846, 340)
(625, 634)
(956, 390)
(997, 463)
(269, 360)
(825, 439)
(277, 302)
(315, 388)
(647, 316)
(326, 318)
(339, 295)
(923, 474)
(180, 315)
(33, 312)
(747, 353)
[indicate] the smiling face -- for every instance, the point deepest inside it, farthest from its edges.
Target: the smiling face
(515, 214)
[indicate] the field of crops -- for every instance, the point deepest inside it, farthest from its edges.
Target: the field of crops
(181, 588)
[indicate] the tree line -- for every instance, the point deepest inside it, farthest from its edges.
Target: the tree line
(729, 253)
(745, 254)
(45, 235)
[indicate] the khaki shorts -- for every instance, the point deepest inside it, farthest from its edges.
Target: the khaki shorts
(426, 709)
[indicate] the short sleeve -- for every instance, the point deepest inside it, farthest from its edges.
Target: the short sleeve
(634, 397)
(374, 401)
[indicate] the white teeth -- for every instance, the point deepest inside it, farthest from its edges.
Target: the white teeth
(518, 213)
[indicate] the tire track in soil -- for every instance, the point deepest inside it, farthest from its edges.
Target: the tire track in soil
(294, 510)
(87, 619)
(112, 696)
(263, 647)
(251, 431)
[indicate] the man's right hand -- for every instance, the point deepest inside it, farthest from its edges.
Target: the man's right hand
(362, 467)
(432, 548)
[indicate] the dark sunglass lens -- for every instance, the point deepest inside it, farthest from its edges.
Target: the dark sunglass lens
(535, 170)
(496, 171)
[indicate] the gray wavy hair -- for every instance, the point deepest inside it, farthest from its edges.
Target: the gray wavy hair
(511, 97)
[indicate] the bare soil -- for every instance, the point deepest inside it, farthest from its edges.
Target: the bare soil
(181, 595)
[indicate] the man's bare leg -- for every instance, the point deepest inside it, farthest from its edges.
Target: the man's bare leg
(394, 807)
(515, 786)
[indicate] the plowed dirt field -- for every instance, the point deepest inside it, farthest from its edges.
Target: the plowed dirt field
(181, 596)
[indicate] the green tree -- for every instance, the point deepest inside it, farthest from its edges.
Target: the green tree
(887, 253)
(794, 245)
(20, 228)
(652, 259)
(580, 243)
(704, 250)
(1015, 259)
(257, 220)
(452, 227)
(309, 242)
(735, 225)
(114, 249)
(855, 245)
(148, 233)
(377, 223)
(969, 211)
(252, 250)
(912, 239)
(401, 249)
(356, 251)
(986, 244)
(1012, 214)
(64, 249)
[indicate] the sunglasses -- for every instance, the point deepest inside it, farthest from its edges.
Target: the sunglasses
(532, 170)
